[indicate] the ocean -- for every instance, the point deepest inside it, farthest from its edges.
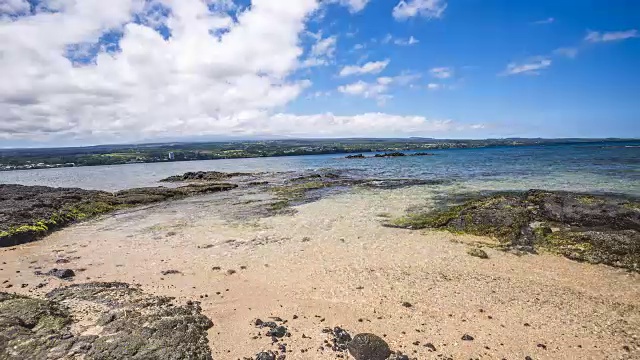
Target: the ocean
(592, 167)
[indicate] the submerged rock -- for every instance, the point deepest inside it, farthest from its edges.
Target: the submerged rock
(125, 324)
(592, 228)
(368, 347)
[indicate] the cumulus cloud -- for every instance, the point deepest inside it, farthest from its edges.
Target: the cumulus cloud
(423, 8)
(95, 71)
(441, 72)
(530, 67)
(373, 67)
(597, 36)
(210, 77)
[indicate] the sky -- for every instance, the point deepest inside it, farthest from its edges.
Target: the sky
(82, 72)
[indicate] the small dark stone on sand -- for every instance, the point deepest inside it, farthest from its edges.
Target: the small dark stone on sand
(407, 304)
(295, 317)
(542, 346)
(258, 322)
(430, 346)
(279, 331)
(231, 272)
(61, 273)
(170, 272)
(626, 348)
(24, 285)
(216, 268)
(528, 358)
(369, 347)
(467, 337)
(527, 324)
(62, 261)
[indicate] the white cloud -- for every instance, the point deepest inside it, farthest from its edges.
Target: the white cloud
(368, 125)
(570, 52)
(441, 72)
(354, 5)
(13, 7)
(424, 8)
(545, 21)
(373, 67)
(596, 36)
(322, 52)
(377, 90)
(433, 86)
(194, 83)
(406, 42)
(530, 67)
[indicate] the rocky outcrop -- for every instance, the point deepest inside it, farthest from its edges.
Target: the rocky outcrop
(28, 213)
(204, 176)
(591, 228)
(101, 321)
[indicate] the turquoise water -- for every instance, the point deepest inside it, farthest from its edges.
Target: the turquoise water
(596, 167)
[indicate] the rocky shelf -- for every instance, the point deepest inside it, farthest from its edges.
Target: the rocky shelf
(584, 227)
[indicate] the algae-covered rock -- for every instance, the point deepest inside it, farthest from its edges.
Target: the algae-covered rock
(28, 213)
(101, 321)
(592, 228)
(369, 347)
(477, 252)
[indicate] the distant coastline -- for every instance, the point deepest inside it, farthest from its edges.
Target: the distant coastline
(45, 158)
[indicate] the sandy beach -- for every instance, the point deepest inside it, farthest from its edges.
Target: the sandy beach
(333, 264)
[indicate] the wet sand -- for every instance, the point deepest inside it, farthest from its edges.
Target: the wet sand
(334, 264)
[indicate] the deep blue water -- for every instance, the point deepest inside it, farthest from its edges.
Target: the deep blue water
(601, 167)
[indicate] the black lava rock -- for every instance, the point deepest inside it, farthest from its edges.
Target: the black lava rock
(61, 273)
(278, 331)
(467, 337)
(266, 355)
(369, 347)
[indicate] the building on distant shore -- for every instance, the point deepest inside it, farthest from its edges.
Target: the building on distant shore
(172, 156)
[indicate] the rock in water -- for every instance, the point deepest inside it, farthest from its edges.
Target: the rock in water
(129, 325)
(369, 347)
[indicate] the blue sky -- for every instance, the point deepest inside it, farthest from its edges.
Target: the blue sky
(141, 70)
(595, 93)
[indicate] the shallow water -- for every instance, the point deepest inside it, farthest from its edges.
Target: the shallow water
(594, 167)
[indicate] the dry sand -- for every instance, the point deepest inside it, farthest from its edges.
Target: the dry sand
(333, 264)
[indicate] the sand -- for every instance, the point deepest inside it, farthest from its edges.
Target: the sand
(334, 264)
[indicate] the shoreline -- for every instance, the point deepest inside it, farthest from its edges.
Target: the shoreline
(333, 258)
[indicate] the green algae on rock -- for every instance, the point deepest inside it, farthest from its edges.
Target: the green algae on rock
(123, 323)
(592, 228)
(28, 213)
